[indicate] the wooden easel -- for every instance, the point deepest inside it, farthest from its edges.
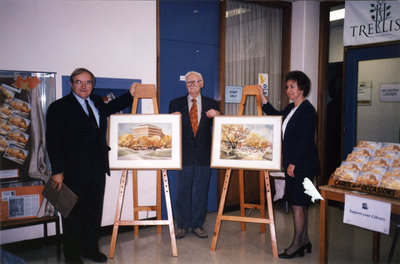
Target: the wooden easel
(144, 91)
(264, 178)
(247, 91)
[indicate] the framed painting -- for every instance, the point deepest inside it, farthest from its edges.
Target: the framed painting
(145, 141)
(247, 142)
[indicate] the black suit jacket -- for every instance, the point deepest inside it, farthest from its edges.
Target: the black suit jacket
(195, 151)
(74, 145)
(298, 146)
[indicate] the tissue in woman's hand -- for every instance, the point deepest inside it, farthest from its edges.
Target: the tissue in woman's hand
(310, 189)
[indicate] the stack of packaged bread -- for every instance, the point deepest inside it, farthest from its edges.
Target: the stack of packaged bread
(372, 167)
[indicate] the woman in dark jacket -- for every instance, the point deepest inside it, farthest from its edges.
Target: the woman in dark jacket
(299, 154)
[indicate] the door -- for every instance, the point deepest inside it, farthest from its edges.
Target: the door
(354, 58)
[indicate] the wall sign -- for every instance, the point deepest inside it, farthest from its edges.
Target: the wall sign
(233, 94)
(364, 92)
(371, 22)
(389, 92)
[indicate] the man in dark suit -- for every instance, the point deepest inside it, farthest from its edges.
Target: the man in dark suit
(78, 152)
(193, 180)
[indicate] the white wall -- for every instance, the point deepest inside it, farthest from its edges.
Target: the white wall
(115, 39)
(305, 41)
(379, 121)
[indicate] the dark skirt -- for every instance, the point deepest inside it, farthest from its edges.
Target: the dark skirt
(294, 190)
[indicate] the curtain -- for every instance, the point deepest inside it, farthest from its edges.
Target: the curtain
(39, 167)
(253, 45)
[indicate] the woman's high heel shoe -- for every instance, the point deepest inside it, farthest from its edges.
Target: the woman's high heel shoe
(308, 247)
(299, 252)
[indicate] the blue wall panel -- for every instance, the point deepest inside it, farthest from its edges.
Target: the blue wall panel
(189, 33)
(190, 20)
(177, 58)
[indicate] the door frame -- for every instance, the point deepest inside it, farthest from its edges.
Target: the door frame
(353, 55)
(323, 60)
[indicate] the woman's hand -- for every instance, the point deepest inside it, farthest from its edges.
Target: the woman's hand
(264, 99)
(290, 170)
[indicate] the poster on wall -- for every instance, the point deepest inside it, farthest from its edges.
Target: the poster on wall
(233, 94)
(389, 92)
(19, 97)
(364, 93)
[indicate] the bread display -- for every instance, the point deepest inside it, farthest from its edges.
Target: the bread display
(369, 178)
(371, 167)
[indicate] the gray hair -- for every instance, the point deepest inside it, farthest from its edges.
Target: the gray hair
(197, 73)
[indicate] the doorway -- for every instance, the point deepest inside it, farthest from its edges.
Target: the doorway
(379, 118)
(330, 87)
(357, 59)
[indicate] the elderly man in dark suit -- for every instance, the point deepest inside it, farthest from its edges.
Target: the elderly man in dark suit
(193, 180)
(78, 152)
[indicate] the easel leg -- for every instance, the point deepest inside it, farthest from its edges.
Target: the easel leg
(271, 216)
(241, 194)
(262, 200)
(135, 201)
(169, 213)
(118, 213)
(158, 198)
(220, 210)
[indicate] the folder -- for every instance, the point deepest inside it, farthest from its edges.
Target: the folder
(63, 200)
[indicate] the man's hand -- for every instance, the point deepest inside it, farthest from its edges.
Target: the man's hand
(290, 170)
(133, 87)
(57, 180)
(212, 113)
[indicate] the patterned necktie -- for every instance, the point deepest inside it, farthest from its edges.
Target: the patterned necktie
(194, 117)
(91, 115)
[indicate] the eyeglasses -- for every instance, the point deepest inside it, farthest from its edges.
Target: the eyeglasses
(193, 82)
(79, 82)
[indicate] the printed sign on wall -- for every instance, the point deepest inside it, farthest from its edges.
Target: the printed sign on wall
(371, 22)
(389, 92)
(233, 94)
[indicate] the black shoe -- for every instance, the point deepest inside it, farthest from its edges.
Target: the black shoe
(96, 257)
(308, 247)
(73, 260)
(299, 252)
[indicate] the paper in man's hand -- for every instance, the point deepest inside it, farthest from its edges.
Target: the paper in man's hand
(63, 200)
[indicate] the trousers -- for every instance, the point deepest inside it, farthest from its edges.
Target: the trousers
(192, 184)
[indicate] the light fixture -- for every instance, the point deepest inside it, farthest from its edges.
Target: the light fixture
(336, 14)
(237, 11)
